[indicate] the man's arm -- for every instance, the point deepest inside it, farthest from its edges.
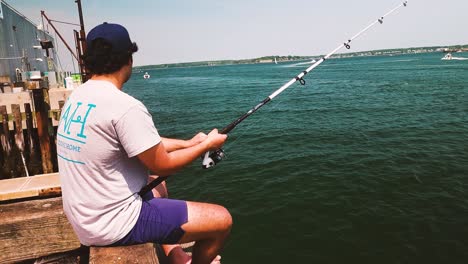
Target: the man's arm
(172, 144)
(162, 162)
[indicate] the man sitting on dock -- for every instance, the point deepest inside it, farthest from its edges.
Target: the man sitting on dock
(107, 142)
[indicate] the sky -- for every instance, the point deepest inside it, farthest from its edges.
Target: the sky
(174, 31)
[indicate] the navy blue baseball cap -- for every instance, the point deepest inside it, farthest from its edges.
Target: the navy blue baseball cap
(115, 34)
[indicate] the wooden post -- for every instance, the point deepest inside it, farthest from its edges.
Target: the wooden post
(19, 138)
(30, 143)
(61, 103)
(5, 171)
(5, 137)
(42, 121)
(17, 156)
(33, 158)
(2, 159)
(29, 128)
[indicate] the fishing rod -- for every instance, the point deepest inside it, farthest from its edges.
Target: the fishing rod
(210, 159)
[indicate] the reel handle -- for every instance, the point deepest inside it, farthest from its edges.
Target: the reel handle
(210, 159)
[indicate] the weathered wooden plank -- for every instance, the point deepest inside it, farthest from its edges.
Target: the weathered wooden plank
(20, 167)
(25, 187)
(53, 97)
(5, 79)
(33, 229)
(61, 103)
(42, 121)
(15, 98)
(29, 127)
(19, 139)
(144, 253)
(57, 95)
(69, 257)
(33, 158)
(5, 141)
(5, 135)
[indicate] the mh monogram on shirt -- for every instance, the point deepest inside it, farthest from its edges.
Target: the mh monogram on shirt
(72, 129)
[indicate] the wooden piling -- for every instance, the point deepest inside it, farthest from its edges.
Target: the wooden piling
(19, 138)
(17, 143)
(42, 122)
(29, 128)
(5, 140)
(2, 159)
(18, 148)
(32, 153)
(5, 137)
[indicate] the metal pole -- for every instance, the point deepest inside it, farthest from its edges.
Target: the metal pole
(80, 13)
(82, 44)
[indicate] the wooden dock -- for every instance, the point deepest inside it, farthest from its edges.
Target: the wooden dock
(30, 187)
(32, 222)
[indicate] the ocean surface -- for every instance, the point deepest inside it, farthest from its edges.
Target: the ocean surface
(366, 163)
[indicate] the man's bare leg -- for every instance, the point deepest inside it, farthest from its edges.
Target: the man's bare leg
(174, 253)
(208, 225)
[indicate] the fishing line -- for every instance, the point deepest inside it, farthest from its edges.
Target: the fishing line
(275, 106)
(210, 159)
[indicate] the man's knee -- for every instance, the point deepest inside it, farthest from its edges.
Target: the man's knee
(205, 217)
(224, 219)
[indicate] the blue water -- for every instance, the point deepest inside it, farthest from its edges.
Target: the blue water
(366, 163)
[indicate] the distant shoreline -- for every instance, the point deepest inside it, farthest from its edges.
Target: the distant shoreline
(271, 59)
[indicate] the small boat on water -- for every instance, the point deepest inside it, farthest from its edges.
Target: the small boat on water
(146, 75)
(449, 56)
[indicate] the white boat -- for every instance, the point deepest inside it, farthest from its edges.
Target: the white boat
(146, 75)
(449, 56)
(276, 61)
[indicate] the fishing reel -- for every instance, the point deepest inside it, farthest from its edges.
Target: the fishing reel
(211, 159)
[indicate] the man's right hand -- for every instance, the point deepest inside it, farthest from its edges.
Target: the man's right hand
(215, 140)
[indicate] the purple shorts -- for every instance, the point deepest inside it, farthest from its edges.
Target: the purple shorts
(160, 221)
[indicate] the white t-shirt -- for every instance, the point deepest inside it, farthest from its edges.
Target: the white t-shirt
(101, 131)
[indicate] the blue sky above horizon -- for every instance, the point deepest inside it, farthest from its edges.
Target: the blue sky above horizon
(187, 30)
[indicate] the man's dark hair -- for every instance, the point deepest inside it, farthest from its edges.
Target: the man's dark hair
(101, 59)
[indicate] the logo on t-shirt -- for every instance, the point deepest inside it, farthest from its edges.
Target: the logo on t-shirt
(71, 129)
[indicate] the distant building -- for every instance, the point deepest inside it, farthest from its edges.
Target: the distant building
(20, 46)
